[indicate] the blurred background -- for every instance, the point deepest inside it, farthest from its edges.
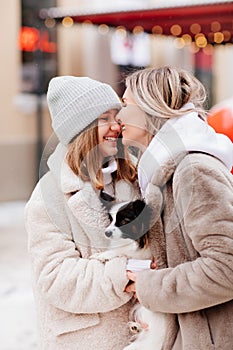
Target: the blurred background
(103, 40)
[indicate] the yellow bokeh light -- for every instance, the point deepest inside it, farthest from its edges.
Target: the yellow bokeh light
(187, 39)
(195, 28)
(138, 30)
(121, 31)
(218, 37)
(50, 22)
(103, 29)
(200, 40)
(179, 43)
(67, 22)
(121, 28)
(215, 26)
(87, 21)
(157, 30)
(176, 30)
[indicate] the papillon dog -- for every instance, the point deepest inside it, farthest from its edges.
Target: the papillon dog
(128, 236)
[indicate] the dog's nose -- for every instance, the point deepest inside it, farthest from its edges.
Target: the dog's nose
(108, 233)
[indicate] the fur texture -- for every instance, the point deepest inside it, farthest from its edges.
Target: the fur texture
(192, 243)
(80, 302)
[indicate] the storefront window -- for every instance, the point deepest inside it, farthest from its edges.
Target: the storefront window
(37, 42)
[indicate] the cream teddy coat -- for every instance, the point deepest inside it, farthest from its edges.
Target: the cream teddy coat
(81, 303)
(192, 236)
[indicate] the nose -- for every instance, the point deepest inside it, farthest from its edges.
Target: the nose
(116, 126)
(108, 233)
(122, 116)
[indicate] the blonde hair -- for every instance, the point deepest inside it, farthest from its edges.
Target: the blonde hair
(84, 159)
(161, 93)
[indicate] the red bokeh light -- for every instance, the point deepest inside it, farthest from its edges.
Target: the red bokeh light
(31, 39)
(221, 119)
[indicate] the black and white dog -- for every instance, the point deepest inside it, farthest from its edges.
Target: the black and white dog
(128, 236)
(128, 231)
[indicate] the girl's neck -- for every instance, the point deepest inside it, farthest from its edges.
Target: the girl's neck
(105, 162)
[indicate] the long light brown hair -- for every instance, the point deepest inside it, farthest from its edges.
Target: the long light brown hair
(84, 159)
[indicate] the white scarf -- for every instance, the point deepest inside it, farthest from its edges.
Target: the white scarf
(180, 135)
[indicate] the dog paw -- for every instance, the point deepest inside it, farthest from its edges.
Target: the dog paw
(134, 327)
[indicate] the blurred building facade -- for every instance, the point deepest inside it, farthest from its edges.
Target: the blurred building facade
(85, 50)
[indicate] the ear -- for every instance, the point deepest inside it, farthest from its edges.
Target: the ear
(138, 206)
(144, 213)
(147, 213)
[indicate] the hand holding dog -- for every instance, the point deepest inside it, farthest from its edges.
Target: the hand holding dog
(132, 276)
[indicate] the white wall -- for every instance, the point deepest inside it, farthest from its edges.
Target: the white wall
(223, 72)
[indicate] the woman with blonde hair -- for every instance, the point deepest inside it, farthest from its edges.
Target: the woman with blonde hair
(81, 302)
(184, 174)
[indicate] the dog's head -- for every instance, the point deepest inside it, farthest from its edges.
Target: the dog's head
(130, 221)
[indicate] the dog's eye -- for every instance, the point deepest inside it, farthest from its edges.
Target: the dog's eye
(110, 217)
(124, 221)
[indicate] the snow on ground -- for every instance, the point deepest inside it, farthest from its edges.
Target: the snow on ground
(17, 313)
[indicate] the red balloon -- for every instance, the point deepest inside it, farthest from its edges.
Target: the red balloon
(221, 119)
(222, 122)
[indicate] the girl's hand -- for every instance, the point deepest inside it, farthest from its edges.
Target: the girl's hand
(132, 276)
(131, 287)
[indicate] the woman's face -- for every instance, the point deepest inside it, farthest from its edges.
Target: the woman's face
(108, 132)
(133, 123)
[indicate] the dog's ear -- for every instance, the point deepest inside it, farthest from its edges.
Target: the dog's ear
(146, 217)
(138, 206)
(144, 212)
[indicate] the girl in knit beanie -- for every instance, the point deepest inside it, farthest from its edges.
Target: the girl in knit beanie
(81, 302)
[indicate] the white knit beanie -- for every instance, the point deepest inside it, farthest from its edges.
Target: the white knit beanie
(75, 102)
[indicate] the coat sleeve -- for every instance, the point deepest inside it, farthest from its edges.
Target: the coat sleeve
(203, 198)
(60, 275)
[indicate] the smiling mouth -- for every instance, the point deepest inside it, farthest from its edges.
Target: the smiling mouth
(112, 139)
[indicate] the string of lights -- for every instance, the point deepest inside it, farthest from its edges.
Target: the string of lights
(196, 24)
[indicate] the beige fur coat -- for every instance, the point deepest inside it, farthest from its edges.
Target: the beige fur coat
(81, 303)
(193, 244)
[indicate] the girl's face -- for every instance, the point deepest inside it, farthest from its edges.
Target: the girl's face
(108, 132)
(133, 123)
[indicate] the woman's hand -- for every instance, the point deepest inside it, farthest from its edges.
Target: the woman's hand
(132, 276)
(153, 264)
